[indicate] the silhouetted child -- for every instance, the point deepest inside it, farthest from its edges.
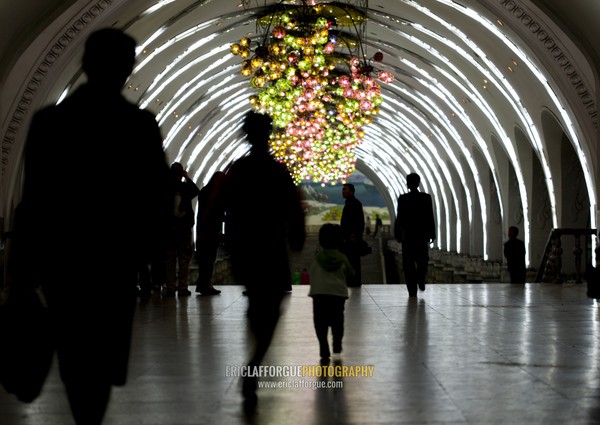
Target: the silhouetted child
(328, 289)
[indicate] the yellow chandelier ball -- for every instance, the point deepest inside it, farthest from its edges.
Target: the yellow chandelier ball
(256, 62)
(274, 49)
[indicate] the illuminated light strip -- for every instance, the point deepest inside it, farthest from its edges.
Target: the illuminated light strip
(220, 131)
(438, 134)
(238, 149)
(423, 162)
(189, 89)
(215, 92)
(154, 8)
(153, 90)
(441, 138)
(482, 105)
(427, 159)
(464, 117)
(543, 80)
(167, 45)
(227, 148)
(204, 39)
(228, 124)
(188, 116)
(466, 120)
(389, 161)
(390, 171)
(412, 133)
(519, 108)
(449, 100)
(419, 140)
(215, 130)
(387, 175)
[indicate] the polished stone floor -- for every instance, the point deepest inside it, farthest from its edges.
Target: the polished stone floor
(458, 354)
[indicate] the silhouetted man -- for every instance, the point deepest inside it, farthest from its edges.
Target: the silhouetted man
(353, 226)
(263, 216)
(415, 229)
(209, 227)
(514, 251)
(180, 245)
(93, 210)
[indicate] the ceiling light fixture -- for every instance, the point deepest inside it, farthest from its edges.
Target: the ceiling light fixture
(313, 78)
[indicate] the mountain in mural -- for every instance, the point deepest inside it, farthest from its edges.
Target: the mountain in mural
(325, 203)
(366, 192)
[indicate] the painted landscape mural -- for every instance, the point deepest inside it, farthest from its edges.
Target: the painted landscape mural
(325, 203)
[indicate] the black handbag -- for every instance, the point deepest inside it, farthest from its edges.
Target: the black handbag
(364, 248)
(26, 342)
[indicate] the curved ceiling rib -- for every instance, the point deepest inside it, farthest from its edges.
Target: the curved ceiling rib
(450, 95)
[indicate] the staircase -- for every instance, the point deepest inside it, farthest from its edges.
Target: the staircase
(551, 268)
(372, 264)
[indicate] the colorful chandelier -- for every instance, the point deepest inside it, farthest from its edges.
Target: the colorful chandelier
(310, 79)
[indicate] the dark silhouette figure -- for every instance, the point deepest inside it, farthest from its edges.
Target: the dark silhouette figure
(415, 229)
(263, 216)
(180, 246)
(353, 226)
(328, 289)
(209, 224)
(95, 190)
(378, 224)
(514, 251)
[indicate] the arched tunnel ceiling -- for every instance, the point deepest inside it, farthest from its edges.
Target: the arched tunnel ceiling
(466, 78)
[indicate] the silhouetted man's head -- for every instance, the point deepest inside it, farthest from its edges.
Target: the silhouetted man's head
(108, 58)
(258, 129)
(348, 190)
(177, 170)
(412, 181)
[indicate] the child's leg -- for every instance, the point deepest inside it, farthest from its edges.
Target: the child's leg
(321, 326)
(337, 322)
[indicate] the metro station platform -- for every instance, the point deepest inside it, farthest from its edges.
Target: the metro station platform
(481, 354)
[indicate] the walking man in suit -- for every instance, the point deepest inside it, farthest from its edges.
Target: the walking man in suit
(415, 230)
(353, 226)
